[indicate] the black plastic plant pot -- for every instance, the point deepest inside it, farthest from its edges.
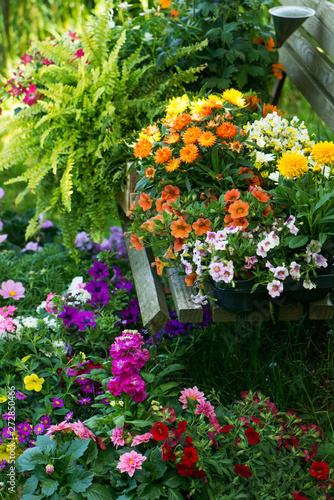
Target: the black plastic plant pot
(295, 290)
(240, 298)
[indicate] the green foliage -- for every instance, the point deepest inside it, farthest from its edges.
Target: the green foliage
(71, 140)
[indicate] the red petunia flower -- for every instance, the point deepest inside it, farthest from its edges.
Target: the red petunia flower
(252, 436)
(181, 427)
(299, 495)
(319, 470)
(167, 452)
(226, 428)
(183, 470)
(243, 470)
(190, 456)
(292, 442)
(188, 440)
(159, 431)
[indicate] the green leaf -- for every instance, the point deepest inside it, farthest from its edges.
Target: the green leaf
(152, 492)
(80, 480)
(30, 485)
(157, 465)
(172, 480)
(78, 448)
(170, 369)
(49, 486)
(148, 377)
(119, 421)
(174, 495)
(298, 241)
(29, 459)
(32, 497)
(91, 452)
(322, 201)
(322, 238)
(99, 492)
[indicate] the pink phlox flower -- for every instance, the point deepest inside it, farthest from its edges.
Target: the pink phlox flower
(205, 408)
(131, 461)
(49, 306)
(31, 246)
(47, 62)
(14, 91)
(31, 95)
(26, 59)
(141, 438)
(11, 290)
(214, 422)
(78, 54)
(117, 436)
(191, 393)
(73, 36)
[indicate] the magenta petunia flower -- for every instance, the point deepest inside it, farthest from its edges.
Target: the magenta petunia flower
(11, 290)
(129, 462)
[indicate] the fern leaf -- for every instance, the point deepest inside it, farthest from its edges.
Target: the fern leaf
(66, 182)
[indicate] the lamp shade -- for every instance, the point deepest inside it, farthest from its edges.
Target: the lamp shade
(287, 19)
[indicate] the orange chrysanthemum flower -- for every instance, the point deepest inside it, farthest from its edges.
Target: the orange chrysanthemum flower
(238, 209)
(202, 113)
(150, 172)
(172, 138)
(261, 195)
(278, 70)
(232, 195)
(323, 153)
(143, 148)
(136, 242)
(207, 139)
(164, 4)
(252, 101)
(258, 40)
(191, 278)
(189, 153)
(145, 201)
(173, 164)
(235, 146)
(151, 130)
(269, 108)
(178, 244)
(181, 121)
(227, 130)
(174, 13)
(162, 155)
(270, 44)
(170, 193)
(180, 228)
(202, 226)
(191, 135)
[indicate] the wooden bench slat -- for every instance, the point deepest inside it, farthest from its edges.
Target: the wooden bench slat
(187, 311)
(321, 309)
(290, 311)
(152, 301)
(299, 74)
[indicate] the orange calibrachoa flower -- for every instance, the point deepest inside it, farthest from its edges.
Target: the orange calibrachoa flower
(162, 155)
(191, 135)
(143, 148)
(207, 139)
(269, 108)
(252, 101)
(227, 130)
(169, 254)
(270, 44)
(238, 209)
(189, 153)
(261, 195)
(178, 244)
(180, 228)
(190, 279)
(129, 212)
(232, 195)
(172, 138)
(181, 121)
(202, 226)
(235, 146)
(278, 70)
(174, 13)
(160, 265)
(239, 222)
(145, 201)
(150, 172)
(267, 210)
(170, 193)
(173, 164)
(136, 242)
(164, 4)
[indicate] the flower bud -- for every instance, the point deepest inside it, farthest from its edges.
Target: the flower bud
(49, 469)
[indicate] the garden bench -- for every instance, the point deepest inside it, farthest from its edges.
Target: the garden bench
(306, 56)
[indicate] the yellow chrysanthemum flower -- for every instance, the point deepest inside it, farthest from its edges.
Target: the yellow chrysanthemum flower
(197, 106)
(292, 165)
(177, 105)
(33, 382)
(323, 153)
(234, 97)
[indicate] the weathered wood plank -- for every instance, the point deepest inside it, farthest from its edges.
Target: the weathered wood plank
(187, 311)
(125, 198)
(317, 97)
(220, 315)
(152, 301)
(290, 311)
(321, 309)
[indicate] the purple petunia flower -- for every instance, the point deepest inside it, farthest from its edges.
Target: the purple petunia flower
(67, 315)
(95, 287)
(83, 319)
(101, 298)
(57, 403)
(99, 270)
